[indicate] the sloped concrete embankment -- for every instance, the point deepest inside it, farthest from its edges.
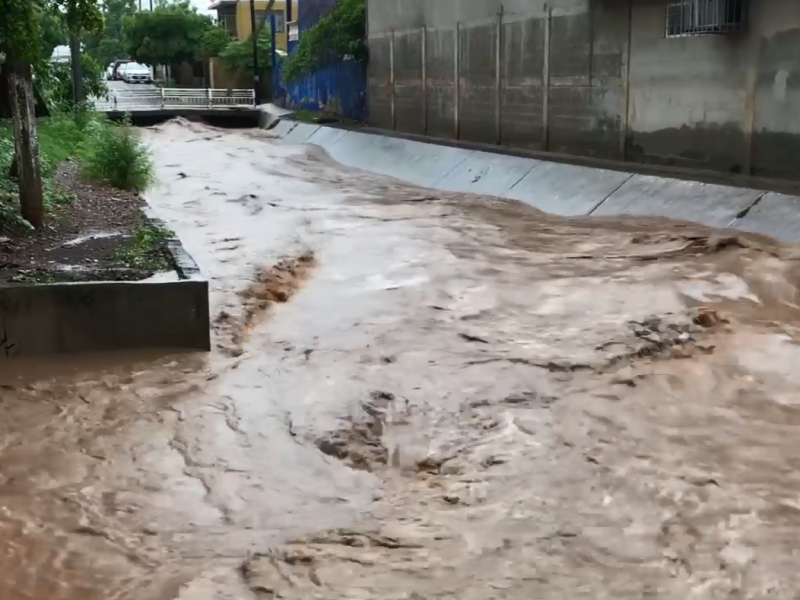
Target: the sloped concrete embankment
(556, 188)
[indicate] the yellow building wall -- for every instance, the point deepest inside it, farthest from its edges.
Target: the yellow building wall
(243, 28)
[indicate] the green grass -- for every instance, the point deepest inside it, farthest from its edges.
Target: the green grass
(33, 276)
(146, 249)
(57, 137)
(106, 151)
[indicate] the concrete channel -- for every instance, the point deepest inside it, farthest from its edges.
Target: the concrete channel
(560, 189)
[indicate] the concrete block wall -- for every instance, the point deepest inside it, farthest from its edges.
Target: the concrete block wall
(521, 74)
(592, 78)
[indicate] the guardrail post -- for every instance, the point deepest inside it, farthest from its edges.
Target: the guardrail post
(162, 98)
(210, 103)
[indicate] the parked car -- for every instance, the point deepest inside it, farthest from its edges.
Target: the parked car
(136, 73)
(115, 74)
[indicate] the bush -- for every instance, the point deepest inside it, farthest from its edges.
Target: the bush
(338, 35)
(55, 79)
(116, 154)
(238, 54)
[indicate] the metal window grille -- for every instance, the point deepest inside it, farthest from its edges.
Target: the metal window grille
(704, 17)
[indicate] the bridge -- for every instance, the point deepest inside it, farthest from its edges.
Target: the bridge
(148, 101)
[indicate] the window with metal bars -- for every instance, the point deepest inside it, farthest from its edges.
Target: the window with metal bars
(704, 17)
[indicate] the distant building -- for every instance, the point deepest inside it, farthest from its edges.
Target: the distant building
(61, 54)
(234, 17)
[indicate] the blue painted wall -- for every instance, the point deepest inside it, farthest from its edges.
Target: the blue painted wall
(338, 88)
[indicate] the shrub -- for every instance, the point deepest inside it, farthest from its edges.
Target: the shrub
(115, 153)
(337, 35)
(55, 79)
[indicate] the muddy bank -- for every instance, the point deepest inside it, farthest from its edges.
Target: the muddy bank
(418, 395)
(94, 232)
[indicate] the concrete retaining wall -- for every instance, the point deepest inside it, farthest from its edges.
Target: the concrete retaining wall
(591, 78)
(561, 189)
(64, 318)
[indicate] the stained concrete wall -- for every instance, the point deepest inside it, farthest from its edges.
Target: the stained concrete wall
(67, 318)
(591, 77)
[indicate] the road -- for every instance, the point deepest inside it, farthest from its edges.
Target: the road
(417, 394)
(129, 96)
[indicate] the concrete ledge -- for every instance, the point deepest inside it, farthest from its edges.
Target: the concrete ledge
(271, 115)
(65, 318)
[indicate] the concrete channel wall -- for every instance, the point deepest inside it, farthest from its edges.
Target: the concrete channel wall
(100, 316)
(560, 189)
(632, 80)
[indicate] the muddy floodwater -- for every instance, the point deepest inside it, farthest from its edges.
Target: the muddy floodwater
(415, 395)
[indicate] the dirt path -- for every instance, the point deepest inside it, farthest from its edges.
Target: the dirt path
(418, 395)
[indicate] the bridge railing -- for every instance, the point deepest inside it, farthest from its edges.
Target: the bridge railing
(176, 98)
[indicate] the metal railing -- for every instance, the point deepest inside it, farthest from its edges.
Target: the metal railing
(175, 98)
(703, 17)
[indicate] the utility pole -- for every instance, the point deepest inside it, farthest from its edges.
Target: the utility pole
(254, 37)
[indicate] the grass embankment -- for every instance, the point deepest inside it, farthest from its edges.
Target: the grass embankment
(92, 173)
(105, 151)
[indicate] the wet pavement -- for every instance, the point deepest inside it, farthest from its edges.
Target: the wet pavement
(417, 394)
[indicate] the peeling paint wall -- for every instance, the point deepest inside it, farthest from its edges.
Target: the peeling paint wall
(591, 77)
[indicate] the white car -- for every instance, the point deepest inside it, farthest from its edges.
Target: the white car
(135, 73)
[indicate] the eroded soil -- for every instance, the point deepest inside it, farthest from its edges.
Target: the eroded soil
(90, 234)
(418, 395)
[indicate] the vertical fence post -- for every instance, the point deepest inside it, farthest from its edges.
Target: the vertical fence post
(626, 89)
(457, 84)
(749, 124)
(391, 80)
(424, 79)
(498, 77)
(162, 98)
(546, 81)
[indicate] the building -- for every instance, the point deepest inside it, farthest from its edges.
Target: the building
(61, 54)
(706, 84)
(234, 16)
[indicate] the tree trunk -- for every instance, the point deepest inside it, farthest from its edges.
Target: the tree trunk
(31, 199)
(77, 69)
(13, 168)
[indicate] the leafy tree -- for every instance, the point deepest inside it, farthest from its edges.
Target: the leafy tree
(238, 55)
(170, 34)
(55, 79)
(214, 42)
(339, 34)
(23, 41)
(107, 45)
(52, 30)
(81, 15)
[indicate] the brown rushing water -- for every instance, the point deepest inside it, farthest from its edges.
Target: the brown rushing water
(555, 423)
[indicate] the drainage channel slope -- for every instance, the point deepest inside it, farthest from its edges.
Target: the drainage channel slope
(559, 189)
